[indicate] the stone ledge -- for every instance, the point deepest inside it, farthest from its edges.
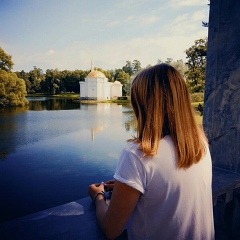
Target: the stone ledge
(76, 220)
(226, 202)
(224, 183)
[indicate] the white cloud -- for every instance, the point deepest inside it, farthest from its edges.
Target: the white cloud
(114, 54)
(135, 19)
(130, 3)
(199, 16)
(167, 40)
(180, 3)
(149, 20)
(182, 18)
(188, 23)
(129, 19)
(113, 23)
(145, 49)
(50, 52)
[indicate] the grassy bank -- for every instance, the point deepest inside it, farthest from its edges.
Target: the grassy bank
(60, 95)
(67, 95)
(197, 105)
(199, 119)
(104, 101)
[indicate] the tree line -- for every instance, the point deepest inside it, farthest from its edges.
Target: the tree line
(14, 86)
(54, 81)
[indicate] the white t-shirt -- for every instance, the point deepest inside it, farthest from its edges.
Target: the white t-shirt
(174, 204)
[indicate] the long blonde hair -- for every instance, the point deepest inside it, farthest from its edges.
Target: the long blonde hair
(162, 105)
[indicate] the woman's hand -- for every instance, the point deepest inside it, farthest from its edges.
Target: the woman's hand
(109, 185)
(113, 218)
(95, 188)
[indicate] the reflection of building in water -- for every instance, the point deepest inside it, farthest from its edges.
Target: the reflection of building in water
(131, 124)
(95, 130)
(97, 87)
(104, 115)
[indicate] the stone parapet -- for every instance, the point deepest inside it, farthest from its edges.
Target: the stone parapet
(221, 116)
(77, 220)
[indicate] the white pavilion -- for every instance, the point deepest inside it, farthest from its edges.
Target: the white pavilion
(97, 87)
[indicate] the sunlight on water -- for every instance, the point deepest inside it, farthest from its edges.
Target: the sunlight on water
(49, 157)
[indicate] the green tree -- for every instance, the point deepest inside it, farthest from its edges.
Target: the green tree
(51, 85)
(110, 75)
(12, 90)
(169, 60)
(69, 80)
(76, 76)
(127, 86)
(65, 81)
(128, 68)
(25, 76)
(136, 66)
(123, 78)
(196, 63)
(35, 77)
(148, 66)
(6, 62)
(180, 66)
(132, 67)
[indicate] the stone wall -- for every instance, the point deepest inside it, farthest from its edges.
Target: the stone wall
(222, 96)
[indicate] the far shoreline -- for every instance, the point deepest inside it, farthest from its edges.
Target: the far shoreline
(76, 98)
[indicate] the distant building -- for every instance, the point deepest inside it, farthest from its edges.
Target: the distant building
(97, 87)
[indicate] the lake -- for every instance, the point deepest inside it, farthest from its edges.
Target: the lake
(51, 151)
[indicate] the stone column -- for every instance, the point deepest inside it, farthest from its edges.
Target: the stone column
(221, 120)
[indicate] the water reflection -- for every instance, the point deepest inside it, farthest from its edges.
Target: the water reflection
(95, 130)
(71, 147)
(22, 126)
(131, 124)
(10, 123)
(44, 103)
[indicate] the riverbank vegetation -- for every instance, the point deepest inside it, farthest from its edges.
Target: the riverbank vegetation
(197, 102)
(55, 82)
(12, 88)
(60, 95)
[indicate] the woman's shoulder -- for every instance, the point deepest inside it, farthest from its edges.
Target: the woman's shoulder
(133, 147)
(167, 143)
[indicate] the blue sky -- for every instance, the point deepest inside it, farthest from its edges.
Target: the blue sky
(66, 34)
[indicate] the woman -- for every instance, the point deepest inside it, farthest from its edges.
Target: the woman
(162, 187)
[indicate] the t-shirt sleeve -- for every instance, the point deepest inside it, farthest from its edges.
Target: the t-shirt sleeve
(131, 171)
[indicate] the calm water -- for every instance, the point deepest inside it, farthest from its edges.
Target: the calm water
(52, 151)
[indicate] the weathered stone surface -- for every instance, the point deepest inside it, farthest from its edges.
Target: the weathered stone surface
(75, 220)
(222, 96)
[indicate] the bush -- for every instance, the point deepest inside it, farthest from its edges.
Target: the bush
(200, 109)
(197, 97)
(123, 98)
(12, 90)
(198, 106)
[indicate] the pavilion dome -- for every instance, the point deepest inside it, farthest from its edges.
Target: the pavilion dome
(96, 74)
(117, 82)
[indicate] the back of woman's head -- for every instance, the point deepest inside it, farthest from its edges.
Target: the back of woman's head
(162, 106)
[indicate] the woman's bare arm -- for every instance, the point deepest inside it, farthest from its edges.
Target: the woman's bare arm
(113, 218)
